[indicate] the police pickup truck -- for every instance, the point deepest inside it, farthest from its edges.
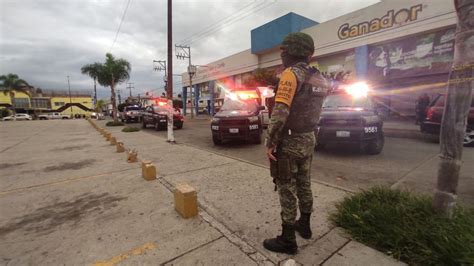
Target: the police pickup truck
(239, 118)
(350, 116)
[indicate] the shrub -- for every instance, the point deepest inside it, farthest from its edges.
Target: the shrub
(4, 112)
(130, 129)
(114, 124)
(407, 227)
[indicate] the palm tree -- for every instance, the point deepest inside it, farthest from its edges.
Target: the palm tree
(12, 83)
(93, 71)
(111, 73)
(100, 105)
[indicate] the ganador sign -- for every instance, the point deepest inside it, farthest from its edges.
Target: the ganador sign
(391, 18)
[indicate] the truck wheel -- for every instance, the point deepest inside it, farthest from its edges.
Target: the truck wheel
(143, 124)
(257, 139)
(320, 146)
(216, 140)
(375, 147)
(157, 126)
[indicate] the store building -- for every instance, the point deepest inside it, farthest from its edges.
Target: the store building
(34, 102)
(401, 48)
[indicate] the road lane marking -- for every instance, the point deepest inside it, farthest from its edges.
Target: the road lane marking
(127, 254)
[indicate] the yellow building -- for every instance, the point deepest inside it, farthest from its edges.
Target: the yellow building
(48, 101)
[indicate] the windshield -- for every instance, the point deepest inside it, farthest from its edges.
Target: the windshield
(132, 108)
(345, 100)
(239, 105)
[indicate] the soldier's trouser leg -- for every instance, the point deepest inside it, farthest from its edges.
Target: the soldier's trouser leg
(303, 185)
(287, 193)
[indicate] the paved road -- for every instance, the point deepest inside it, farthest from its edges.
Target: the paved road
(405, 163)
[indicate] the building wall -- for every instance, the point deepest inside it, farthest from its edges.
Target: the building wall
(5, 98)
(58, 101)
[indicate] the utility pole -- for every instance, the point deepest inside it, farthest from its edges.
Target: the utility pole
(161, 66)
(70, 99)
(456, 110)
(130, 87)
(184, 52)
(169, 84)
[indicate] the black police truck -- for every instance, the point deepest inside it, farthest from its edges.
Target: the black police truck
(238, 118)
(346, 118)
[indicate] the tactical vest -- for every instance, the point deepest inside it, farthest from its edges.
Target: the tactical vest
(308, 100)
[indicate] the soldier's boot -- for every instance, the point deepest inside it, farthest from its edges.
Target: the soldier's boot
(302, 226)
(284, 243)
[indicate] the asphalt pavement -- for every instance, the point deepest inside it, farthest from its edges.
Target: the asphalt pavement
(66, 197)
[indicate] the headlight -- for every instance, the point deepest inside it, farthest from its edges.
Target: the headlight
(371, 119)
(215, 120)
(253, 118)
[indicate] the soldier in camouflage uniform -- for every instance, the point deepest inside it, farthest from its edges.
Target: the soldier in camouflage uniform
(290, 138)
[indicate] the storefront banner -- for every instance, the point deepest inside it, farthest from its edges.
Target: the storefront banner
(424, 54)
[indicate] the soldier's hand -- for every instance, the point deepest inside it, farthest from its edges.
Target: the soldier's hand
(270, 153)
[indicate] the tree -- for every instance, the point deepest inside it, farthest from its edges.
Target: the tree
(99, 106)
(112, 72)
(93, 71)
(458, 100)
(12, 83)
(262, 77)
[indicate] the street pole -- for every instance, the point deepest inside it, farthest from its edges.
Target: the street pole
(184, 53)
(70, 99)
(169, 84)
(129, 87)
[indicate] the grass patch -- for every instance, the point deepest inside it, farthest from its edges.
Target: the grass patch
(114, 124)
(406, 227)
(130, 129)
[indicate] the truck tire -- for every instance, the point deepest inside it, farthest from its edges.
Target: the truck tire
(179, 126)
(216, 141)
(257, 139)
(376, 146)
(157, 126)
(143, 124)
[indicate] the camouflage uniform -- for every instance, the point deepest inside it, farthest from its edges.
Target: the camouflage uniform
(296, 149)
(298, 102)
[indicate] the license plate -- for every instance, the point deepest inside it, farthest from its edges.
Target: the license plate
(343, 134)
(233, 130)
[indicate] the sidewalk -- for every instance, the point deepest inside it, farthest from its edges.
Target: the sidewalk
(79, 202)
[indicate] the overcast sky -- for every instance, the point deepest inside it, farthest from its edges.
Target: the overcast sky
(44, 41)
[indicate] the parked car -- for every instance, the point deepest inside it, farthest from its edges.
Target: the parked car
(56, 115)
(97, 115)
(432, 123)
(17, 117)
(238, 119)
(156, 115)
(349, 119)
(131, 113)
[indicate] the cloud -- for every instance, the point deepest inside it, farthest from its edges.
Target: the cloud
(44, 41)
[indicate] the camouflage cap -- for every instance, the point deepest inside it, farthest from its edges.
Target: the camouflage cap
(298, 44)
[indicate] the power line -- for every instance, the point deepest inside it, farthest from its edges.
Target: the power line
(214, 24)
(120, 25)
(228, 22)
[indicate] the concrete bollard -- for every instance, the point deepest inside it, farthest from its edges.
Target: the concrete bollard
(120, 147)
(132, 156)
(108, 136)
(148, 171)
(185, 201)
(113, 141)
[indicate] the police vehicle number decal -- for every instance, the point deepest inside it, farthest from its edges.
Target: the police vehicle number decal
(370, 129)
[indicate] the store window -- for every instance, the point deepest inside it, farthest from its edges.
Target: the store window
(59, 104)
(41, 103)
(21, 102)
